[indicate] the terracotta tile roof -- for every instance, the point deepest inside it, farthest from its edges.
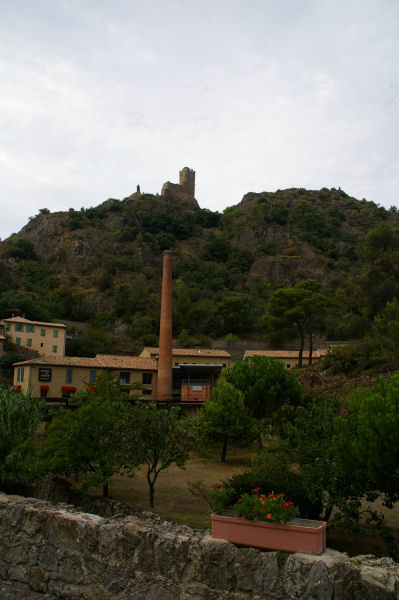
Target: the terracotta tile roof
(192, 352)
(101, 361)
(27, 321)
(126, 362)
(2, 337)
(284, 353)
(63, 361)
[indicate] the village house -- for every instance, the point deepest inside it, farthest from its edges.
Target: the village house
(47, 339)
(288, 357)
(56, 378)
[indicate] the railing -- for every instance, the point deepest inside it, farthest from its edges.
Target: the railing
(196, 382)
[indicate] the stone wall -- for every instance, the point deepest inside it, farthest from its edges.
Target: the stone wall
(50, 552)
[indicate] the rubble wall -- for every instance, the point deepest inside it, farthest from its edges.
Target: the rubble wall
(54, 552)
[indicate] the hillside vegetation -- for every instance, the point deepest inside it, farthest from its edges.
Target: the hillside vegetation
(103, 265)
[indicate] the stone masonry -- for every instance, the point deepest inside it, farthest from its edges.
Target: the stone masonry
(49, 552)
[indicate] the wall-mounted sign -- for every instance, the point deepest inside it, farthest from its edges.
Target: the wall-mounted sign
(45, 374)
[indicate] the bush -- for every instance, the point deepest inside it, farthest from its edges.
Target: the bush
(340, 359)
(278, 478)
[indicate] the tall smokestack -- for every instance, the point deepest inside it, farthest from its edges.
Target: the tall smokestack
(165, 386)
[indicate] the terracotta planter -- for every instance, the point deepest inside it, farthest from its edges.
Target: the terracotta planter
(297, 535)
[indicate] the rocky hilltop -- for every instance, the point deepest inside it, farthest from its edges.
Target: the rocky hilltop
(104, 264)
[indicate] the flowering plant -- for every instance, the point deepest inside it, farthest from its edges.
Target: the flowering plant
(265, 507)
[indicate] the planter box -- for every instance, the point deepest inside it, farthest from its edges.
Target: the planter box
(297, 535)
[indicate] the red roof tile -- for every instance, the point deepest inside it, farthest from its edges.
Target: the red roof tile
(23, 320)
(192, 352)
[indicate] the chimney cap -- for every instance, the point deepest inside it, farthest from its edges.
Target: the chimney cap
(167, 252)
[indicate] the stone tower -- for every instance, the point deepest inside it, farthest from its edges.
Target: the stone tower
(165, 383)
(187, 181)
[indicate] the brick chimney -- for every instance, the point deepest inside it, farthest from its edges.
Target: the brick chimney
(165, 389)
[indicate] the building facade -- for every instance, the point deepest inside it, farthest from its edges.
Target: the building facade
(195, 371)
(288, 357)
(47, 339)
(56, 378)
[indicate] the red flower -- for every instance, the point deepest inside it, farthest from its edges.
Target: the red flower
(218, 486)
(286, 505)
(262, 496)
(255, 490)
(269, 516)
(239, 500)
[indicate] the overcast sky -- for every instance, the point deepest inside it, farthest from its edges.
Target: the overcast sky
(97, 96)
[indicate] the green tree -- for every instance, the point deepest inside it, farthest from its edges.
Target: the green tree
(86, 441)
(156, 437)
(298, 310)
(367, 440)
(235, 315)
(266, 385)
(224, 420)
(307, 437)
(20, 415)
(182, 307)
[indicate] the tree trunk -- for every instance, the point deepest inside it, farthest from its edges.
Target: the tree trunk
(105, 490)
(302, 346)
(152, 492)
(259, 443)
(224, 451)
(310, 347)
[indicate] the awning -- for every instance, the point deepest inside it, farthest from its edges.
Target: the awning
(17, 387)
(44, 387)
(68, 388)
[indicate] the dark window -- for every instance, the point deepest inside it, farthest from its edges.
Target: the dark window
(147, 378)
(147, 392)
(68, 377)
(124, 378)
(93, 376)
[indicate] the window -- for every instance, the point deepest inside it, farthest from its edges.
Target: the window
(18, 341)
(42, 332)
(8, 326)
(288, 366)
(147, 392)
(55, 333)
(68, 378)
(147, 378)
(43, 392)
(54, 348)
(19, 327)
(93, 376)
(30, 328)
(124, 378)
(41, 344)
(20, 374)
(29, 342)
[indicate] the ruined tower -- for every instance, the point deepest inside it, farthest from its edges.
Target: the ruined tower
(165, 384)
(187, 181)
